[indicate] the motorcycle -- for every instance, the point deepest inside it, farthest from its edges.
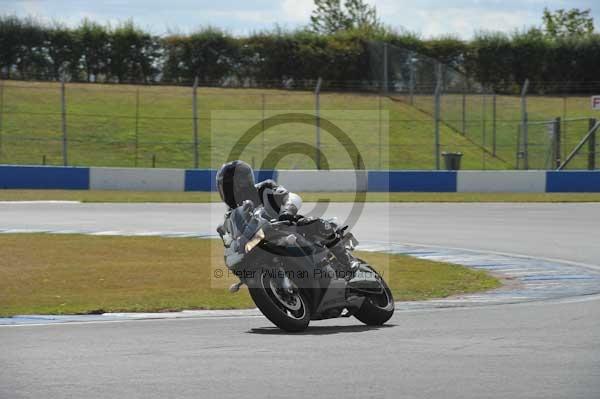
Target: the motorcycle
(293, 277)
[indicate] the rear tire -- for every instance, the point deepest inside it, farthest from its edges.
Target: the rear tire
(377, 309)
(279, 313)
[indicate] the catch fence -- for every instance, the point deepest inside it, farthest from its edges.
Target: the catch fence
(405, 122)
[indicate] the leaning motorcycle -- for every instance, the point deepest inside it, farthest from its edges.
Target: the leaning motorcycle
(294, 278)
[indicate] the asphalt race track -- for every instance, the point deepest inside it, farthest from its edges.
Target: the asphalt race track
(545, 349)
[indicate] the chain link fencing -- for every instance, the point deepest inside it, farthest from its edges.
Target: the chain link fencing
(408, 112)
(508, 131)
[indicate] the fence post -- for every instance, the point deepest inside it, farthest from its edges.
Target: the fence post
(385, 67)
(592, 146)
(63, 113)
(437, 111)
(1, 113)
(318, 122)
(263, 101)
(464, 110)
(137, 122)
(524, 127)
(556, 142)
(483, 119)
(380, 132)
(494, 124)
(564, 120)
(195, 122)
(412, 80)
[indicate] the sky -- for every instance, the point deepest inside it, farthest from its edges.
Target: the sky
(429, 18)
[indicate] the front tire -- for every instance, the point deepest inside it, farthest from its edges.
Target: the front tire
(377, 309)
(290, 312)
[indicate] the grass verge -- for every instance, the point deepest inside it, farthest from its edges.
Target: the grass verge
(137, 196)
(78, 274)
(108, 126)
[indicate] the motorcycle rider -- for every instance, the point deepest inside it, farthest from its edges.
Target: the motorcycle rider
(235, 183)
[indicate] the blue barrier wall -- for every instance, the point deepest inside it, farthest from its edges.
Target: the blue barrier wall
(74, 178)
(44, 177)
(423, 181)
(261, 175)
(200, 180)
(323, 180)
(573, 182)
(205, 179)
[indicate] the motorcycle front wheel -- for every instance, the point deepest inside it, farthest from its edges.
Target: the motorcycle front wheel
(288, 311)
(377, 309)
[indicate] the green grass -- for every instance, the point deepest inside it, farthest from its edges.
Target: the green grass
(77, 274)
(102, 128)
(138, 196)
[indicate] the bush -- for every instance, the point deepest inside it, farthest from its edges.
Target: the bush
(91, 52)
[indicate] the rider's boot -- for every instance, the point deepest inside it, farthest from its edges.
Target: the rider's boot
(361, 278)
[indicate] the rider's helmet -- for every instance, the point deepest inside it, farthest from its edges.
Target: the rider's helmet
(235, 182)
(277, 200)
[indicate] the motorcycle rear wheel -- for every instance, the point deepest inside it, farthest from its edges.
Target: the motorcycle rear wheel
(289, 312)
(377, 309)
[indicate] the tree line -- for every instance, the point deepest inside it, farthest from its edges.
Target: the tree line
(125, 53)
